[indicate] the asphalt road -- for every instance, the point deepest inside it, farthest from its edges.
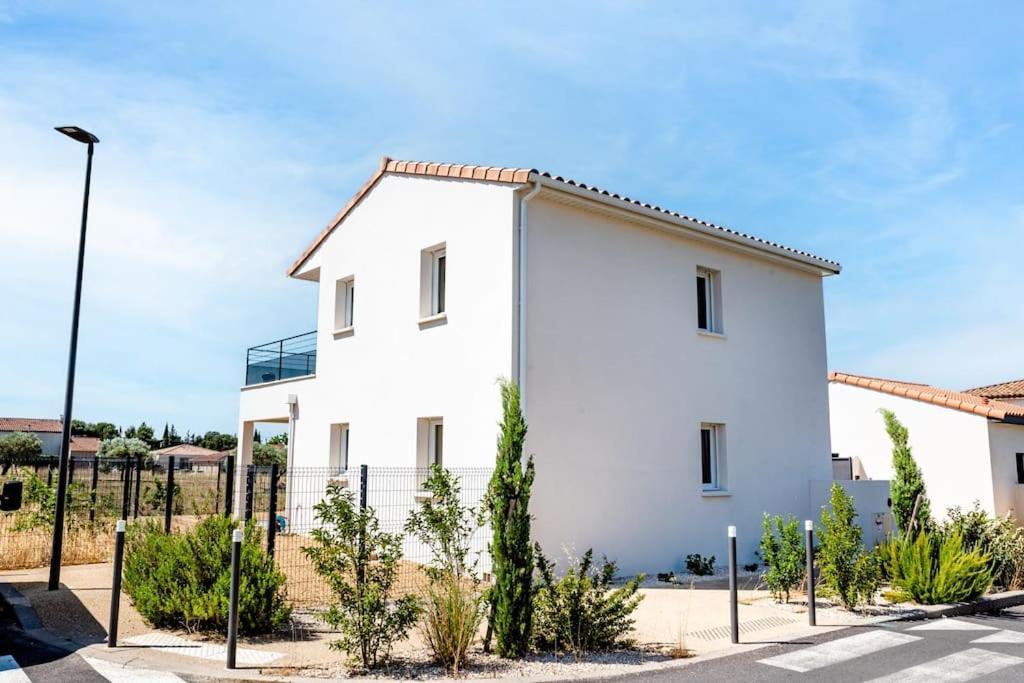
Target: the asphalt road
(34, 660)
(978, 648)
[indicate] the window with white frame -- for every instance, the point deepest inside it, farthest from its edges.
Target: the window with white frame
(433, 281)
(344, 303)
(712, 456)
(435, 443)
(437, 290)
(339, 447)
(709, 300)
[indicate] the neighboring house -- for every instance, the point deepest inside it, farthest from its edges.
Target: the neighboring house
(84, 446)
(672, 370)
(970, 448)
(1008, 392)
(48, 431)
(188, 457)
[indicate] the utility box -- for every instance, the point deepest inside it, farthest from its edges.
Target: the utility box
(10, 499)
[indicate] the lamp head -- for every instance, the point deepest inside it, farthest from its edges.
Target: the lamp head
(76, 133)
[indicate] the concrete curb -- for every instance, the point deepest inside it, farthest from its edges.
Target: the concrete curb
(983, 605)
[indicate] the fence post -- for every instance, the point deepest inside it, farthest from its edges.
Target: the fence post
(49, 474)
(250, 485)
(364, 471)
(92, 487)
(811, 613)
(734, 616)
(272, 515)
(236, 567)
(138, 485)
(169, 500)
(229, 485)
(126, 489)
(216, 499)
(115, 591)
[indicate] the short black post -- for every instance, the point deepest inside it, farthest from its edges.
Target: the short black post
(734, 604)
(92, 487)
(216, 499)
(229, 488)
(250, 487)
(169, 502)
(115, 590)
(236, 571)
(811, 613)
(138, 486)
(126, 489)
(272, 514)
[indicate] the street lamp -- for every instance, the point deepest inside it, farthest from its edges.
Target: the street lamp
(85, 137)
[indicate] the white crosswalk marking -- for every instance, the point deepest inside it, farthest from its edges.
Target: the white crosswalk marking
(955, 668)
(115, 673)
(10, 671)
(166, 642)
(951, 625)
(1012, 637)
(836, 651)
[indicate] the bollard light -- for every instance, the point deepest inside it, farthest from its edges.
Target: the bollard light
(812, 615)
(734, 609)
(115, 589)
(236, 566)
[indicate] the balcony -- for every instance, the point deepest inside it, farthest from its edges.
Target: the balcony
(282, 359)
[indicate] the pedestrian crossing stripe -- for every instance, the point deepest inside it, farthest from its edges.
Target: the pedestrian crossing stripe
(837, 651)
(10, 671)
(951, 625)
(954, 668)
(116, 673)
(164, 642)
(1012, 637)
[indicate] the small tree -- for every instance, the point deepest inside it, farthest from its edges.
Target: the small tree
(281, 439)
(121, 447)
(910, 506)
(17, 448)
(508, 502)
(360, 564)
(782, 549)
(847, 568)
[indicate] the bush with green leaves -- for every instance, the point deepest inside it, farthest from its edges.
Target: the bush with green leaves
(454, 603)
(936, 569)
(121, 447)
(583, 611)
(783, 552)
(183, 579)
(154, 498)
(507, 504)
(848, 570)
(997, 537)
(359, 562)
(698, 565)
(911, 509)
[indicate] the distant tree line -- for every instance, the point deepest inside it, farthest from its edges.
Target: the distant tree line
(214, 440)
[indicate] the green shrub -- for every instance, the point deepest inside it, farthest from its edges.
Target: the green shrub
(17, 448)
(454, 603)
(582, 612)
(934, 569)
(507, 504)
(182, 580)
(121, 447)
(698, 565)
(360, 564)
(848, 570)
(154, 498)
(911, 509)
(783, 552)
(1000, 538)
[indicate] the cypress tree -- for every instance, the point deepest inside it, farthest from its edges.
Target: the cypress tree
(910, 506)
(508, 501)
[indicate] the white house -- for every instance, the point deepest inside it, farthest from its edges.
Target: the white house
(672, 370)
(47, 430)
(969, 448)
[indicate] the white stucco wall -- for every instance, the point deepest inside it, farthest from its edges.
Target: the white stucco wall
(390, 372)
(619, 381)
(1005, 441)
(950, 446)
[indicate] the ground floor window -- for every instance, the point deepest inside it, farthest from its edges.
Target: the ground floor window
(339, 447)
(712, 465)
(1020, 468)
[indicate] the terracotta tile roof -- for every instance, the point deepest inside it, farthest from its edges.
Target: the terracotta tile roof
(186, 450)
(518, 176)
(85, 444)
(1013, 389)
(957, 400)
(29, 424)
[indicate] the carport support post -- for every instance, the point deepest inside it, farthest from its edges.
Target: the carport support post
(115, 591)
(272, 514)
(811, 614)
(236, 570)
(734, 609)
(169, 498)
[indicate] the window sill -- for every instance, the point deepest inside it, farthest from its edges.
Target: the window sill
(715, 493)
(344, 332)
(709, 333)
(423, 496)
(340, 482)
(433, 320)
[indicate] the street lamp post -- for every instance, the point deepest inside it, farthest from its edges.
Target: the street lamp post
(85, 137)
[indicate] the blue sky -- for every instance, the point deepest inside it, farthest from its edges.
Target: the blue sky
(886, 137)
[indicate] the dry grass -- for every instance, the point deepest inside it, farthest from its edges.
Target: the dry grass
(28, 549)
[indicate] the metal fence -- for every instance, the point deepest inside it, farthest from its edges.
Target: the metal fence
(392, 492)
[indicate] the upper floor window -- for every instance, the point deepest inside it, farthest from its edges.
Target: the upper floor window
(344, 303)
(433, 282)
(709, 297)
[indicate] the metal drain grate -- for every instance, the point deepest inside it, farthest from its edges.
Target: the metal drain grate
(722, 632)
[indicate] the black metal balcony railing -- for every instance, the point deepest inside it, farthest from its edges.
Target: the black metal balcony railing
(281, 359)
